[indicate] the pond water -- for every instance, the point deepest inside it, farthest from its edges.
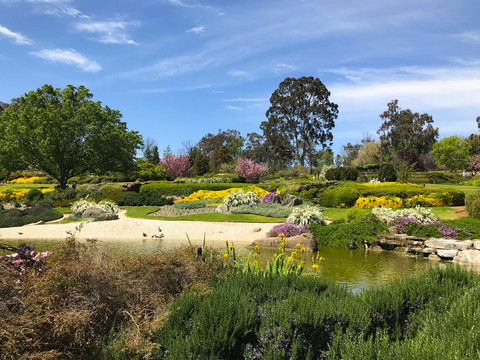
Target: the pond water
(356, 269)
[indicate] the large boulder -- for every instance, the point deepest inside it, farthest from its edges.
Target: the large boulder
(222, 209)
(92, 212)
(291, 201)
(468, 257)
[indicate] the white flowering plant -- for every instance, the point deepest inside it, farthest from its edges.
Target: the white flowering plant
(306, 215)
(240, 198)
(107, 206)
(419, 213)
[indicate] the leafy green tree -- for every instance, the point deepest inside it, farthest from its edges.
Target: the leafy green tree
(368, 154)
(406, 130)
(198, 161)
(451, 152)
(301, 109)
(64, 134)
(221, 148)
(279, 152)
(474, 144)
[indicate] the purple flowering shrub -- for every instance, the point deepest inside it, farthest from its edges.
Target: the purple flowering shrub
(268, 198)
(25, 259)
(414, 227)
(288, 230)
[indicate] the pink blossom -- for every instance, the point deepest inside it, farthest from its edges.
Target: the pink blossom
(249, 170)
(176, 165)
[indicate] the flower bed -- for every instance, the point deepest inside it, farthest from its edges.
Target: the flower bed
(220, 195)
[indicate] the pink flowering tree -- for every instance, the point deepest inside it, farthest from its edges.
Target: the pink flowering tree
(176, 166)
(249, 170)
(475, 163)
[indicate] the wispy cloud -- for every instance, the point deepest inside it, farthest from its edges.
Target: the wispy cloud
(70, 57)
(59, 8)
(197, 30)
(19, 38)
(110, 32)
(282, 68)
(469, 36)
(231, 107)
(189, 4)
(242, 74)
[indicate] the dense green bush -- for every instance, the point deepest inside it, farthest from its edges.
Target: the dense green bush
(472, 204)
(430, 315)
(338, 196)
(468, 227)
(34, 195)
(355, 214)
(264, 209)
(349, 235)
(17, 217)
(167, 188)
(438, 177)
(150, 197)
(387, 172)
(342, 173)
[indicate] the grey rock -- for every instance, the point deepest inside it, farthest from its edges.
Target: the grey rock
(276, 199)
(468, 257)
(108, 216)
(222, 208)
(306, 240)
(291, 201)
(447, 254)
(434, 257)
(464, 245)
(375, 248)
(257, 229)
(92, 212)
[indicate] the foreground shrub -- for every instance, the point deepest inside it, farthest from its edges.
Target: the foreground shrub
(17, 217)
(90, 306)
(269, 210)
(414, 227)
(78, 207)
(355, 214)
(147, 197)
(351, 234)
(306, 215)
(467, 227)
(430, 315)
(288, 230)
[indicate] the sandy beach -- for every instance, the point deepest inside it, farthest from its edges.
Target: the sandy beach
(127, 229)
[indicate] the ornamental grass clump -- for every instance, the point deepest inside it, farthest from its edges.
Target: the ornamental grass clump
(306, 215)
(240, 198)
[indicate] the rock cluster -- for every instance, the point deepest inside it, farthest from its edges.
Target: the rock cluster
(459, 251)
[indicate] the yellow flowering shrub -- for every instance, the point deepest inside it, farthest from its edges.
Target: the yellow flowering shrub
(19, 193)
(220, 195)
(424, 200)
(27, 180)
(385, 201)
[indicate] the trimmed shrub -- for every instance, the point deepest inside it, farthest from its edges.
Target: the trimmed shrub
(387, 172)
(150, 197)
(338, 197)
(34, 195)
(342, 173)
(167, 188)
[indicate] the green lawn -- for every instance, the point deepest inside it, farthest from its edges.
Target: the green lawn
(143, 211)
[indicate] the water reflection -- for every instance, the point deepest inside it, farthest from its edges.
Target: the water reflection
(356, 269)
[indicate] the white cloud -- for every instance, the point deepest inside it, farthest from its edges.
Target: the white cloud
(469, 36)
(241, 74)
(110, 32)
(59, 8)
(70, 57)
(230, 107)
(282, 68)
(197, 30)
(19, 38)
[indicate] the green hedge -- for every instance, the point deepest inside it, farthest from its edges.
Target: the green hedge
(149, 197)
(167, 188)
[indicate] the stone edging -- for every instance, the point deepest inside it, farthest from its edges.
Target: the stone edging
(459, 251)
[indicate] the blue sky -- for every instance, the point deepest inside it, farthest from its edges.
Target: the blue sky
(178, 69)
